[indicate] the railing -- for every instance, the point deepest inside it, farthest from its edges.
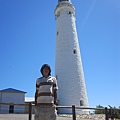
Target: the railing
(73, 107)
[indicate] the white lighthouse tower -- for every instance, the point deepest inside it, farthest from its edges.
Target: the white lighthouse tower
(68, 66)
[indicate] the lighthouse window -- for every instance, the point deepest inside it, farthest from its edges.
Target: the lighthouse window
(56, 77)
(58, 14)
(57, 32)
(81, 103)
(74, 51)
(70, 13)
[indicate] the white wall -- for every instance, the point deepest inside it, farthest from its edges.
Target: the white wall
(68, 66)
(17, 98)
(0, 101)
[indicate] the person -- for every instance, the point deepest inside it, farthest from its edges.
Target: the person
(112, 115)
(115, 115)
(46, 95)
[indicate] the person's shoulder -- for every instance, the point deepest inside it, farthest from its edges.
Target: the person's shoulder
(40, 78)
(53, 78)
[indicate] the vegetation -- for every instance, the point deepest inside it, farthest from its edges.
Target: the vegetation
(112, 111)
(99, 111)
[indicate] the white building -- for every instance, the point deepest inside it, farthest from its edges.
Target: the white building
(27, 101)
(11, 95)
(68, 66)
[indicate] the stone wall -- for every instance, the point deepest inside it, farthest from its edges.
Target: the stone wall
(92, 116)
(87, 116)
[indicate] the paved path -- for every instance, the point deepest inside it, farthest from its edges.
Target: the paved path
(25, 117)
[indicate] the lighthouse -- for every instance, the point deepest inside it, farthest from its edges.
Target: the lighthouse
(68, 63)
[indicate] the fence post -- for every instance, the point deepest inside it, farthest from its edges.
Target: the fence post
(73, 112)
(106, 113)
(30, 111)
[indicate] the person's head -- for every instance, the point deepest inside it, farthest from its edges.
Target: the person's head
(45, 70)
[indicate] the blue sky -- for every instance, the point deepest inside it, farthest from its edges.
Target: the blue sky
(27, 40)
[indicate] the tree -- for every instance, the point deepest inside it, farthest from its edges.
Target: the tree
(102, 111)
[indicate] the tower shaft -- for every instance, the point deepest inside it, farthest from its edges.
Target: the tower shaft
(68, 66)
